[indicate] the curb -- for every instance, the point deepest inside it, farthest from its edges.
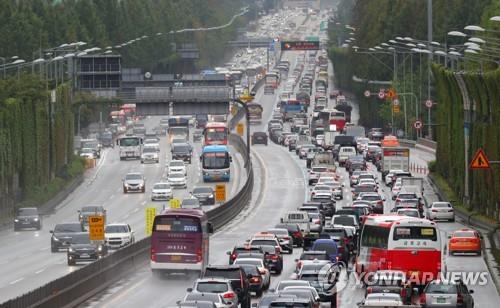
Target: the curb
(491, 235)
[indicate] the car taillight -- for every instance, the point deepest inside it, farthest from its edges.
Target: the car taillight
(453, 240)
(233, 256)
(199, 255)
(153, 255)
(255, 279)
(380, 202)
(435, 211)
(273, 257)
(229, 295)
(286, 238)
(317, 222)
(460, 299)
(337, 258)
(297, 234)
(422, 299)
(449, 211)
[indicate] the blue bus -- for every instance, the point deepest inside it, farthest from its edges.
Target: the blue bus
(215, 163)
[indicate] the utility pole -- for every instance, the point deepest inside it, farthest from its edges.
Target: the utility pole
(429, 47)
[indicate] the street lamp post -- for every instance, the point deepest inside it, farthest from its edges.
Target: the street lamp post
(247, 118)
(429, 46)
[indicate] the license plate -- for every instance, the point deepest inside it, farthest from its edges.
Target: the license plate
(84, 255)
(175, 258)
(441, 300)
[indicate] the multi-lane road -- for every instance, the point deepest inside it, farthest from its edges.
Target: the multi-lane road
(26, 261)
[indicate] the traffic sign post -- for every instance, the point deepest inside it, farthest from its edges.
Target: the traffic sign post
(240, 128)
(395, 102)
(391, 93)
(150, 217)
(381, 95)
(417, 124)
(367, 93)
(428, 103)
(175, 203)
(220, 193)
(96, 228)
(395, 108)
(480, 160)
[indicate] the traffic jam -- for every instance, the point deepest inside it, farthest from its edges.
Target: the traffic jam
(366, 219)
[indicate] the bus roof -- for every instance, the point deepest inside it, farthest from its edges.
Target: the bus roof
(215, 149)
(183, 212)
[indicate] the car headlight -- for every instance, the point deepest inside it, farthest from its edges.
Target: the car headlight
(211, 196)
(70, 249)
(99, 248)
(55, 239)
(35, 219)
(16, 220)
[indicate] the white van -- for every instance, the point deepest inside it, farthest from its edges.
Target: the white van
(345, 153)
(298, 217)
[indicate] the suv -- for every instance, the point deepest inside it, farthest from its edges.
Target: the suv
(118, 235)
(62, 234)
(239, 281)
(27, 217)
(441, 293)
(242, 249)
(134, 181)
(215, 285)
(205, 194)
(92, 210)
(182, 151)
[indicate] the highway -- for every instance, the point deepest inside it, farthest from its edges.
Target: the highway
(26, 261)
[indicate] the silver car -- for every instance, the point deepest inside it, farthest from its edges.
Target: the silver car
(161, 191)
(441, 211)
(219, 286)
(217, 299)
(134, 181)
(446, 293)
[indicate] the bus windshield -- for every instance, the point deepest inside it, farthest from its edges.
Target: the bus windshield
(176, 224)
(373, 236)
(219, 133)
(129, 142)
(218, 160)
(415, 233)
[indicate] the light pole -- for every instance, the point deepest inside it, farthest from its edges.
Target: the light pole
(247, 117)
(429, 47)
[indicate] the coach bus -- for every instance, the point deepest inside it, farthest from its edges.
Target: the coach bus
(215, 163)
(180, 241)
(392, 242)
(215, 133)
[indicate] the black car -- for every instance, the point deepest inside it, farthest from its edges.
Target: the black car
(204, 194)
(254, 278)
(292, 145)
(339, 235)
(294, 232)
(27, 217)
(63, 233)
(233, 254)
(82, 249)
(274, 258)
(182, 151)
(238, 278)
(259, 138)
(327, 203)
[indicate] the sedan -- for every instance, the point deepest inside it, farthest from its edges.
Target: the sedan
(441, 211)
(259, 138)
(465, 241)
(27, 217)
(177, 180)
(204, 194)
(82, 249)
(134, 182)
(161, 191)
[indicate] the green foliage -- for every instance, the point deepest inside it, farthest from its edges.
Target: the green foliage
(28, 26)
(432, 166)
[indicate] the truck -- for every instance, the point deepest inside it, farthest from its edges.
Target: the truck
(355, 131)
(178, 127)
(395, 158)
(324, 159)
(290, 108)
(93, 144)
(330, 139)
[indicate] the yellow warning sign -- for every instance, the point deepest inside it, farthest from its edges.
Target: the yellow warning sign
(391, 93)
(220, 192)
(395, 108)
(240, 128)
(175, 203)
(150, 217)
(96, 228)
(480, 160)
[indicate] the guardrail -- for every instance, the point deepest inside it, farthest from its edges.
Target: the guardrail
(74, 288)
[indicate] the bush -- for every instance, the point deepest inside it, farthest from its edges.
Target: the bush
(432, 166)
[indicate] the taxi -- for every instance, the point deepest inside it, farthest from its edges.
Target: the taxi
(465, 241)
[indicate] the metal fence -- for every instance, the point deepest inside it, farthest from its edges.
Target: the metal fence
(74, 288)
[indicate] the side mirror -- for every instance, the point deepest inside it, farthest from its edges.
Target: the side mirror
(189, 289)
(230, 158)
(471, 291)
(255, 305)
(415, 290)
(228, 253)
(51, 231)
(449, 236)
(210, 228)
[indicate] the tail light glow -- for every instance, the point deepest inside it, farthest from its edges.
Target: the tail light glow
(229, 295)
(153, 255)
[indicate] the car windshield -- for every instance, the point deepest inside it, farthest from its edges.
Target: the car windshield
(344, 220)
(133, 176)
(408, 213)
(329, 248)
(27, 212)
(464, 234)
(371, 197)
(309, 277)
(87, 150)
(73, 227)
(212, 287)
(441, 205)
(176, 175)
(181, 148)
(263, 242)
(161, 186)
(202, 190)
(116, 229)
(176, 164)
(190, 202)
(441, 288)
(150, 141)
(148, 150)
(82, 238)
(250, 269)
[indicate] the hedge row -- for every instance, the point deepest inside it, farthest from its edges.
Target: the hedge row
(484, 92)
(33, 154)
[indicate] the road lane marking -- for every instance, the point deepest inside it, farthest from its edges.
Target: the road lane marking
(16, 281)
(143, 202)
(112, 196)
(135, 210)
(40, 270)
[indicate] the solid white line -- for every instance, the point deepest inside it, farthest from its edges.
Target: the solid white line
(136, 209)
(143, 202)
(112, 196)
(16, 281)
(42, 249)
(40, 270)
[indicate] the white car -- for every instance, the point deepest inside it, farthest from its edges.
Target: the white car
(388, 177)
(177, 180)
(382, 300)
(161, 191)
(118, 235)
(87, 153)
(149, 154)
(177, 166)
(152, 142)
(441, 211)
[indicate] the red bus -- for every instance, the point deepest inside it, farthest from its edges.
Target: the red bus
(408, 244)
(215, 133)
(180, 241)
(335, 118)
